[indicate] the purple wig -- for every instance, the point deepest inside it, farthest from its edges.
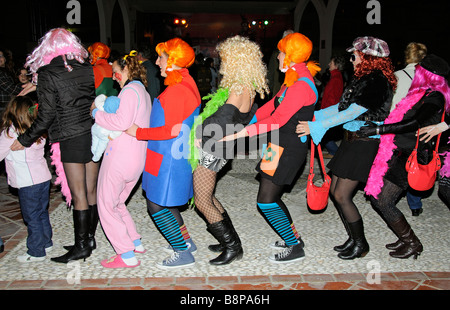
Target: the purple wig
(56, 42)
(425, 79)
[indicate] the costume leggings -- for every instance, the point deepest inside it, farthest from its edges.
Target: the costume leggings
(275, 211)
(168, 222)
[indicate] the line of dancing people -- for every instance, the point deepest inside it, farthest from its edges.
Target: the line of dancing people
(179, 149)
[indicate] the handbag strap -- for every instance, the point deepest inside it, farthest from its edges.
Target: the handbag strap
(311, 160)
(438, 138)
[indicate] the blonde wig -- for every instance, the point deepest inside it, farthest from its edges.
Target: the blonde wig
(242, 66)
(180, 54)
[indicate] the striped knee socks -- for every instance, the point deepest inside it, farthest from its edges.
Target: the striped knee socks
(273, 213)
(170, 229)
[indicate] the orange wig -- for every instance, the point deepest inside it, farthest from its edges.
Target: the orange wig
(297, 48)
(180, 54)
(98, 50)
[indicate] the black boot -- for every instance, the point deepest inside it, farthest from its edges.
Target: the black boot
(360, 247)
(218, 247)
(228, 238)
(410, 244)
(347, 244)
(92, 228)
(81, 249)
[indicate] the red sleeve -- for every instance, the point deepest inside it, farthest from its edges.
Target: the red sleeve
(332, 93)
(298, 95)
(176, 110)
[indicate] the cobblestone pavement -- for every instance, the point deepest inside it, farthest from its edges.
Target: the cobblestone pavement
(320, 269)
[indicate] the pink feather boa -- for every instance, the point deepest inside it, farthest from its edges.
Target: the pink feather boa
(445, 170)
(60, 174)
(387, 146)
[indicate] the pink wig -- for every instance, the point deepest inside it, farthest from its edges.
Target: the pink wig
(56, 42)
(425, 79)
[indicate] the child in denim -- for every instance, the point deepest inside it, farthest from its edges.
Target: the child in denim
(28, 171)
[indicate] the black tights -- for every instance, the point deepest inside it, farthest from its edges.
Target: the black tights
(153, 208)
(82, 181)
(444, 189)
(342, 191)
(269, 192)
(387, 200)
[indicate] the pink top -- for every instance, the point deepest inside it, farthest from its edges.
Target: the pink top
(26, 167)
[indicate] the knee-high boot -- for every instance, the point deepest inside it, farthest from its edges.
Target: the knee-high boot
(350, 242)
(360, 247)
(93, 222)
(228, 238)
(411, 245)
(81, 248)
(219, 247)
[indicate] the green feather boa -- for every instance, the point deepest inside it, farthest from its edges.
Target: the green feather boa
(215, 102)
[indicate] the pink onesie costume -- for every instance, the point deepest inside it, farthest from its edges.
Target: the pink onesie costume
(122, 165)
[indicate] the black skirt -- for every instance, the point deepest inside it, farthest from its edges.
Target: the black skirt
(77, 150)
(353, 159)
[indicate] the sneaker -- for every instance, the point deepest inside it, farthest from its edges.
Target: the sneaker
(178, 259)
(289, 254)
(280, 244)
(27, 258)
(49, 249)
(190, 244)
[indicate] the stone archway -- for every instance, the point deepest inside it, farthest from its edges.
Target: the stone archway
(105, 12)
(326, 13)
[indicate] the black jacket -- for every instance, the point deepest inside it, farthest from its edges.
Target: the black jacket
(371, 91)
(64, 100)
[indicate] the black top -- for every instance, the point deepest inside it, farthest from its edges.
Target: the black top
(225, 121)
(64, 100)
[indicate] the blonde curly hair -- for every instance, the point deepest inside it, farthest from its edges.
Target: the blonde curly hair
(242, 66)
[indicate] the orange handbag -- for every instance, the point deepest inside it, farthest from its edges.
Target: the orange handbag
(423, 177)
(317, 196)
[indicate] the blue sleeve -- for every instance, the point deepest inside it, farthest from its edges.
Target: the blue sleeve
(318, 128)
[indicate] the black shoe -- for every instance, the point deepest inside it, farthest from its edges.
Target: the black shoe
(92, 228)
(81, 248)
(416, 212)
(2, 248)
(360, 247)
(228, 238)
(290, 254)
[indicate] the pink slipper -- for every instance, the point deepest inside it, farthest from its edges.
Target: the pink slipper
(140, 252)
(117, 262)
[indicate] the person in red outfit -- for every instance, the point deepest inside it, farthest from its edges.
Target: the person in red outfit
(167, 177)
(331, 94)
(282, 159)
(104, 83)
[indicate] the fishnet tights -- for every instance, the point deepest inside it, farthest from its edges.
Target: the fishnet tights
(205, 201)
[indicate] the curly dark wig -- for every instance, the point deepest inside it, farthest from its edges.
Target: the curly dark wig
(371, 63)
